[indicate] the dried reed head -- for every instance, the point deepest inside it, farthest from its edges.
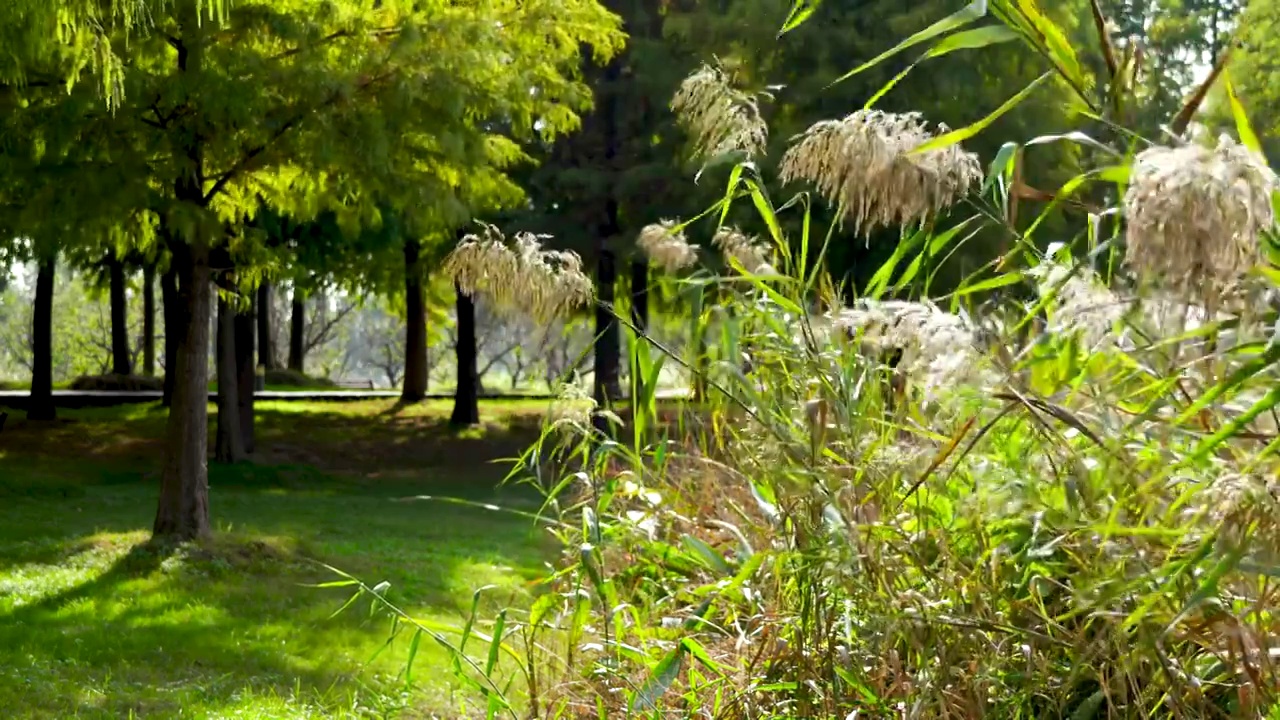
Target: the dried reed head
(864, 163)
(572, 407)
(1194, 214)
(939, 349)
(519, 279)
(667, 247)
(749, 253)
(720, 117)
(1083, 304)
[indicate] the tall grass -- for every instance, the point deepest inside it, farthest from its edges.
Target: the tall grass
(1061, 506)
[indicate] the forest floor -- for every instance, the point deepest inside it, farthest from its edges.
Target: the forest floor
(95, 623)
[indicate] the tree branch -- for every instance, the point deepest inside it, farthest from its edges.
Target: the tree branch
(243, 163)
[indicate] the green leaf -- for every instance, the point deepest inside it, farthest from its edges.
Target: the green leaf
(954, 21)
(333, 584)
(801, 10)
(495, 645)
(964, 133)
(710, 558)
(973, 39)
(999, 281)
(1244, 129)
(1001, 164)
(1055, 43)
(700, 654)
(664, 674)
(413, 653)
(1228, 431)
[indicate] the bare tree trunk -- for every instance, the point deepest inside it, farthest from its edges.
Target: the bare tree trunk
(608, 349)
(608, 346)
(466, 398)
(640, 294)
(298, 332)
(246, 372)
(40, 405)
(415, 339)
(183, 511)
(229, 443)
(266, 343)
(120, 363)
(149, 320)
(175, 322)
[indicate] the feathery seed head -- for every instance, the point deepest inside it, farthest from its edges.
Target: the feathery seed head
(864, 163)
(1083, 303)
(573, 406)
(735, 245)
(720, 117)
(666, 246)
(1194, 214)
(939, 349)
(522, 278)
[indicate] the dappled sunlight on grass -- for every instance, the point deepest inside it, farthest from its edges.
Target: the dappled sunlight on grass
(96, 622)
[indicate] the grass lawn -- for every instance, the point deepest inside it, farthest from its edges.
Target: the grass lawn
(96, 624)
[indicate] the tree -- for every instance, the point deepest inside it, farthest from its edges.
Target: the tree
(266, 341)
(466, 402)
(40, 405)
(231, 107)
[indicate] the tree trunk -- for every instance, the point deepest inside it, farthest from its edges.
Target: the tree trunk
(415, 338)
(466, 398)
(246, 372)
(229, 444)
(175, 322)
(640, 294)
(298, 332)
(183, 511)
(266, 343)
(149, 320)
(120, 362)
(40, 405)
(608, 347)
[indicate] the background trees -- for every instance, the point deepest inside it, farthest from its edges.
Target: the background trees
(305, 167)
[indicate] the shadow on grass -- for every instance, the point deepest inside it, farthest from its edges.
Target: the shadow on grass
(94, 622)
(154, 629)
(163, 631)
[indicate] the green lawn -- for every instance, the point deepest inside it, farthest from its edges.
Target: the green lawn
(94, 623)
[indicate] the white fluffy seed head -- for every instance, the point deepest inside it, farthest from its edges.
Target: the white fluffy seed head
(939, 349)
(666, 246)
(1082, 303)
(746, 250)
(573, 406)
(864, 163)
(520, 278)
(720, 118)
(1194, 214)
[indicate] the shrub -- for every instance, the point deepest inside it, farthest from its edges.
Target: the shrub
(293, 378)
(117, 383)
